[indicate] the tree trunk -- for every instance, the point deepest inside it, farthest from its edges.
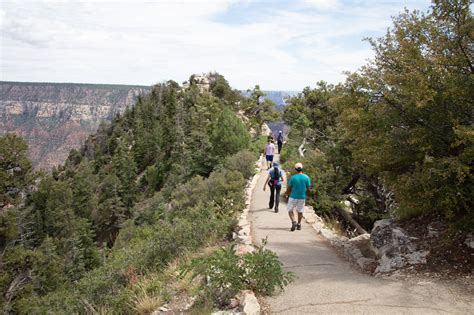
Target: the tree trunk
(350, 220)
(301, 148)
(348, 188)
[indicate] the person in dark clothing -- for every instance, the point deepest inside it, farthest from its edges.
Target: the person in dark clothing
(280, 141)
(274, 181)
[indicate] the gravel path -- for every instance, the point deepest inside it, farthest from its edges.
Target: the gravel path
(328, 284)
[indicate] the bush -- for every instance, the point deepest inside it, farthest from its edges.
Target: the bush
(228, 273)
(263, 271)
(258, 144)
(243, 162)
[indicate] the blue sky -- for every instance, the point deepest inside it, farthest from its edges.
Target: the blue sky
(281, 45)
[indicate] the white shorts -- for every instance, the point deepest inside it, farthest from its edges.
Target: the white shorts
(296, 204)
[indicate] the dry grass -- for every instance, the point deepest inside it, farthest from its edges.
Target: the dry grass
(146, 303)
(91, 310)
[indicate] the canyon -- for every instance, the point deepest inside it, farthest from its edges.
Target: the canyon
(56, 117)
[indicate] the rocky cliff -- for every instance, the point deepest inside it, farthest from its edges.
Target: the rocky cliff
(57, 117)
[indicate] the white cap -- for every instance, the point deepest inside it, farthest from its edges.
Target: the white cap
(298, 166)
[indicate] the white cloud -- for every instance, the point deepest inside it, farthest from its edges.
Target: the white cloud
(281, 47)
(323, 4)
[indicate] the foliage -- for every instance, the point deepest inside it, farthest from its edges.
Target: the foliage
(243, 161)
(259, 109)
(15, 168)
(165, 178)
(410, 111)
(396, 137)
(227, 273)
(263, 271)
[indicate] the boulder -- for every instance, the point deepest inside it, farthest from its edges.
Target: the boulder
(249, 303)
(394, 247)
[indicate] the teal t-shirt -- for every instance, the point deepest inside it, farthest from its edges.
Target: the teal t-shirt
(298, 184)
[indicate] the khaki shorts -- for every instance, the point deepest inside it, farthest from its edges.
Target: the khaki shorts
(296, 204)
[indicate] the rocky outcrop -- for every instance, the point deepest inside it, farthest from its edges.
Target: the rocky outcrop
(57, 117)
(386, 249)
(394, 247)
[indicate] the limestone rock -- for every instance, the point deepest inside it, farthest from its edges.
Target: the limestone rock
(394, 247)
(266, 130)
(249, 302)
(363, 238)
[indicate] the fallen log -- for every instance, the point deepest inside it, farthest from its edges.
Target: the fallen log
(350, 220)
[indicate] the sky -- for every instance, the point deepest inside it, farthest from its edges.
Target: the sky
(280, 45)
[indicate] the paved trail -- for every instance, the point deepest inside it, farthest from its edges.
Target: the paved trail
(326, 283)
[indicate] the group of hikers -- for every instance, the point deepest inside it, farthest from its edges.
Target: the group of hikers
(297, 188)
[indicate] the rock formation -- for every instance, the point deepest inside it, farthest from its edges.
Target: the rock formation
(394, 247)
(57, 117)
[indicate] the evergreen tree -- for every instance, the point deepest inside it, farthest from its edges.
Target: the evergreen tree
(125, 169)
(228, 135)
(259, 109)
(84, 185)
(111, 212)
(408, 114)
(15, 168)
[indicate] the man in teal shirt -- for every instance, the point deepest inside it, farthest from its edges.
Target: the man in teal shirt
(298, 188)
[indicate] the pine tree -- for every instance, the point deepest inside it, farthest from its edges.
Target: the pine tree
(125, 169)
(111, 212)
(228, 135)
(84, 185)
(15, 168)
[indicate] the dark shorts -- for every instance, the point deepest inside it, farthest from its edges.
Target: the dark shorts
(269, 158)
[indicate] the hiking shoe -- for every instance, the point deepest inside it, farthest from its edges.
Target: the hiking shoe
(293, 226)
(298, 226)
(276, 210)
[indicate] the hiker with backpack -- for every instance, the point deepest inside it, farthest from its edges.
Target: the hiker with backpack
(274, 180)
(298, 189)
(280, 141)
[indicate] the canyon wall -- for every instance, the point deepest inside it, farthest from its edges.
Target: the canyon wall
(57, 117)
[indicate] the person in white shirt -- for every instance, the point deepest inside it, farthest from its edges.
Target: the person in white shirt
(269, 153)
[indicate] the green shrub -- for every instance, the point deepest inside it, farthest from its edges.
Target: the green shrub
(227, 273)
(224, 271)
(263, 271)
(257, 144)
(243, 162)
